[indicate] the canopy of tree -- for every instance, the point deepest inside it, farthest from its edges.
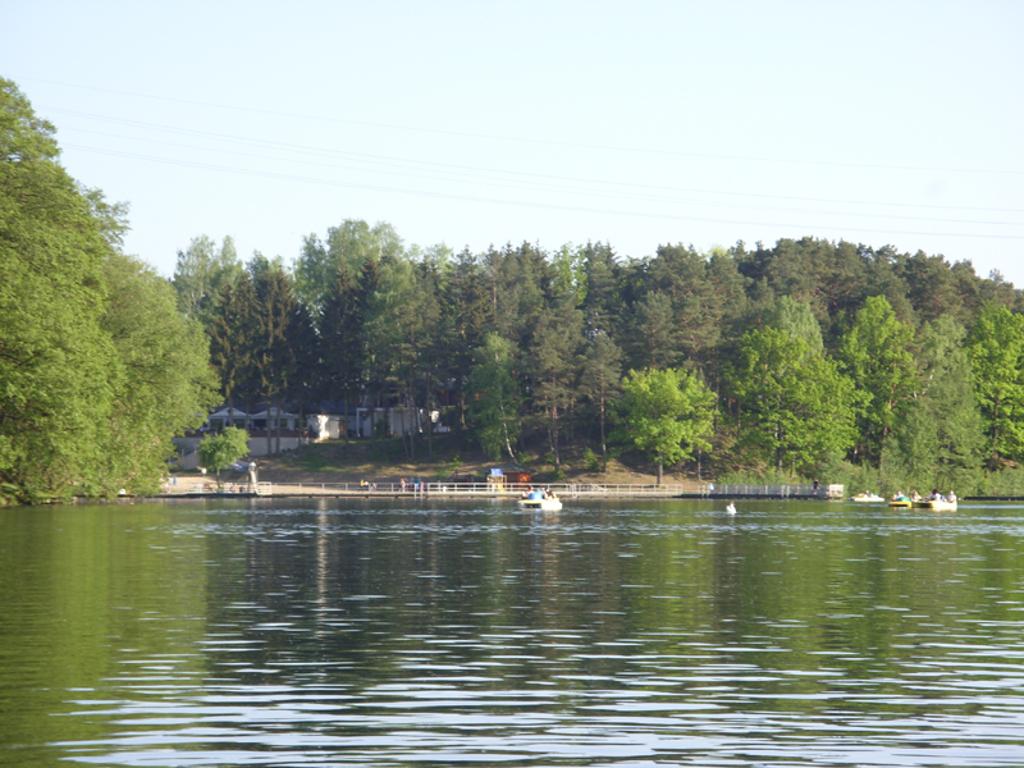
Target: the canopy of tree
(98, 370)
(221, 450)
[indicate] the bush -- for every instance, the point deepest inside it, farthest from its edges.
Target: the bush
(1007, 482)
(591, 461)
(455, 465)
(218, 452)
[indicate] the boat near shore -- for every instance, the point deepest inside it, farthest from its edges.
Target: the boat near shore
(550, 504)
(937, 505)
(867, 498)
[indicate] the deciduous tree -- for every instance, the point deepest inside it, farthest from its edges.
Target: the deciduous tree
(795, 407)
(876, 354)
(666, 413)
(495, 397)
(939, 440)
(996, 347)
(220, 451)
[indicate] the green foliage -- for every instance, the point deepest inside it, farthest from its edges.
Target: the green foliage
(97, 369)
(655, 337)
(232, 333)
(220, 451)
(495, 398)
(591, 461)
(796, 318)
(348, 248)
(342, 339)
(550, 364)
(760, 476)
(996, 348)
(55, 392)
(668, 414)
(279, 340)
(162, 382)
(201, 273)
(864, 478)
(938, 442)
(1008, 483)
(454, 466)
(876, 354)
(600, 377)
(794, 406)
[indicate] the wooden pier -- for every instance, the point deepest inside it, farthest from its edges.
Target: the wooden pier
(414, 490)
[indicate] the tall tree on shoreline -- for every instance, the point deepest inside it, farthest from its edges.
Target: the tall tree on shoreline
(795, 408)
(600, 378)
(996, 347)
(232, 336)
(551, 365)
(939, 440)
(274, 316)
(667, 413)
(163, 381)
(495, 397)
(876, 354)
(97, 369)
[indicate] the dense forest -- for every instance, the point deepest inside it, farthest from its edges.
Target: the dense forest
(803, 359)
(807, 358)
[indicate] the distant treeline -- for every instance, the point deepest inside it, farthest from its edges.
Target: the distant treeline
(818, 356)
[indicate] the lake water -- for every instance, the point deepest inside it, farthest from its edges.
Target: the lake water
(294, 633)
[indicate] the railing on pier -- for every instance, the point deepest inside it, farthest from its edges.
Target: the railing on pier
(414, 489)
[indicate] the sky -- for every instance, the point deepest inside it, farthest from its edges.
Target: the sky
(482, 123)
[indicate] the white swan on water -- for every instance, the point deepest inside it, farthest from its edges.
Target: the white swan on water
(730, 508)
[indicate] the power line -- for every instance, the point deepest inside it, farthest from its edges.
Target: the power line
(325, 151)
(534, 140)
(444, 175)
(526, 203)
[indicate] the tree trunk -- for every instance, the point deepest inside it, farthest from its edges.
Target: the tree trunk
(553, 436)
(430, 421)
(266, 429)
(660, 472)
(508, 442)
(277, 430)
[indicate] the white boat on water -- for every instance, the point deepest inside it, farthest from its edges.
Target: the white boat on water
(937, 505)
(867, 498)
(550, 504)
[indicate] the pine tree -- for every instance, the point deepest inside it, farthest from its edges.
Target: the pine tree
(600, 376)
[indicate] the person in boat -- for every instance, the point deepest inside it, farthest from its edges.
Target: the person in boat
(936, 496)
(915, 496)
(951, 497)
